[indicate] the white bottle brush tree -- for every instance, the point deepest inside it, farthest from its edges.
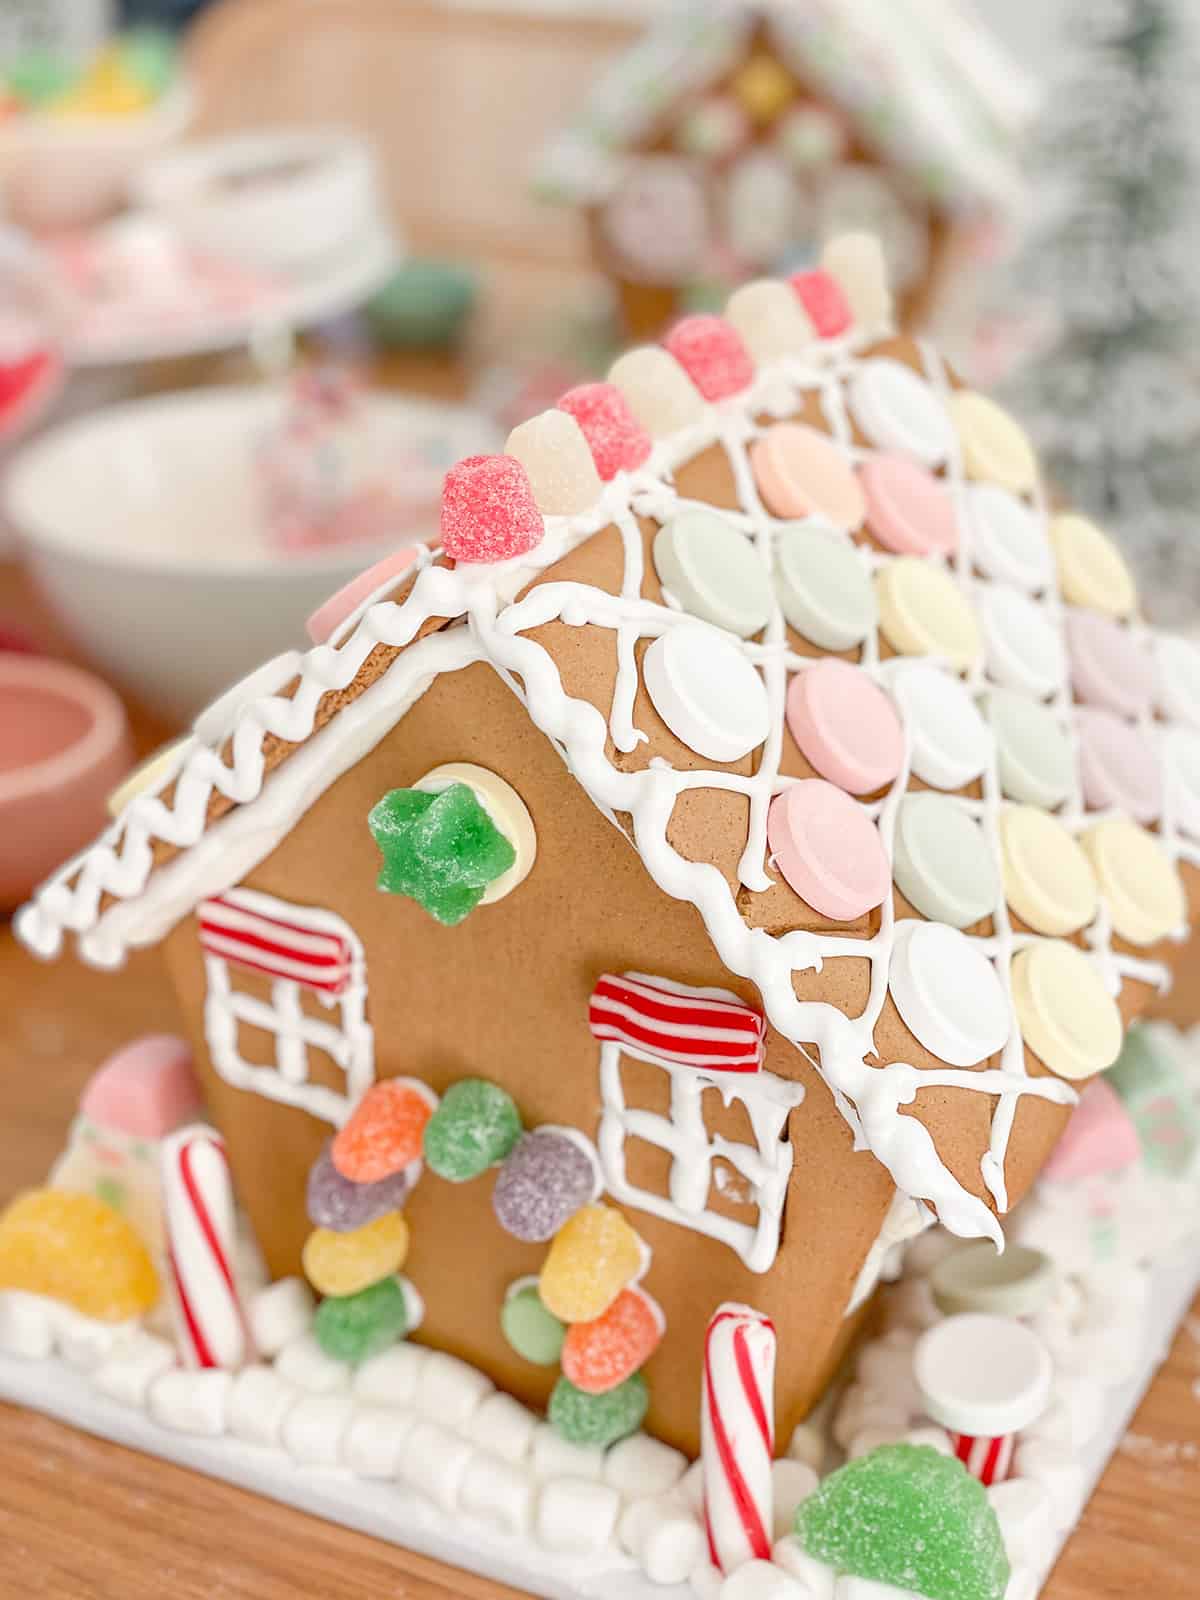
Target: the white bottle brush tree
(1112, 255)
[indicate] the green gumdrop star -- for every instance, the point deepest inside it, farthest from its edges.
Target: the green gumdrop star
(909, 1516)
(442, 850)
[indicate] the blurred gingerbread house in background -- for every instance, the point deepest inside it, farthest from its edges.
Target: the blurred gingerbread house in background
(737, 136)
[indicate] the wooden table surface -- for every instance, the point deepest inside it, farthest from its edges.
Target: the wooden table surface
(80, 1517)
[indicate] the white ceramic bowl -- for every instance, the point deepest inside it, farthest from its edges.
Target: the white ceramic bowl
(282, 200)
(64, 172)
(143, 525)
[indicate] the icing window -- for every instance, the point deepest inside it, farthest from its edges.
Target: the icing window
(305, 959)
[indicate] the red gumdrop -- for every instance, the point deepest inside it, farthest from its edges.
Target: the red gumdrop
(488, 510)
(822, 297)
(599, 1355)
(617, 440)
(712, 354)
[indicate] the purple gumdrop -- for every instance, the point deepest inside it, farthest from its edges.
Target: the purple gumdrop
(544, 1182)
(339, 1204)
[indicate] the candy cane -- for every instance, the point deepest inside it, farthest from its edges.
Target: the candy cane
(737, 1434)
(197, 1196)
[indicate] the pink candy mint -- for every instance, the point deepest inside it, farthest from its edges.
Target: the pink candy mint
(488, 510)
(1099, 1138)
(145, 1089)
(616, 439)
(826, 304)
(712, 354)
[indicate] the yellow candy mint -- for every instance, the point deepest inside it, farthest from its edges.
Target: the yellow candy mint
(74, 1248)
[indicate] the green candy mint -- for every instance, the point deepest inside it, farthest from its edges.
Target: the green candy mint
(534, 1333)
(352, 1327)
(909, 1516)
(474, 1127)
(442, 850)
(598, 1419)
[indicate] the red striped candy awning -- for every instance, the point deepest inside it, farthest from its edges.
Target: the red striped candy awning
(251, 938)
(678, 1026)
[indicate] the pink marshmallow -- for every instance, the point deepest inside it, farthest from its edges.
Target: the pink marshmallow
(618, 442)
(146, 1089)
(1099, 1138)
(711, 352)
(488, 510)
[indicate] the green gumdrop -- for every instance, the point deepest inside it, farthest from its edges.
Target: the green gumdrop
(38, 77)
(474, 1127)
(1158, 1099)
(534, 1333)
(148, 55)
(423, 305)
(907, 1515)
(442, 850)
(598, 1419)
(351, 1327)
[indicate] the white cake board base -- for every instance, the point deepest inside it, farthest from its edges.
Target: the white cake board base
(390, 1512)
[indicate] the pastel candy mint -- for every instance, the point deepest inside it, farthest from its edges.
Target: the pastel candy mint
(355, 1327)
(909, 1516)
(598, 1419)
(544, 1182)
(534, 1333)
(475, 1127)
(341, 1205)
(442, 850)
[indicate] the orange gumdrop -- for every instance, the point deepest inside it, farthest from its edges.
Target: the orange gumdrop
(385, 1130)
(598, 1356)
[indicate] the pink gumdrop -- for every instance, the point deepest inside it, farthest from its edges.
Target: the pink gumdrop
(828, 850)
(1117, 767)
(909, 511)
(823, 298)
(146, 1089)
(711, 352)
(1099, 1138)
(488, 510)
(617, 440)
(331, 613)
(845, 725)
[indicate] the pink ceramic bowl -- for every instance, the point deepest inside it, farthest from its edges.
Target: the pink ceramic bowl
(64, 745)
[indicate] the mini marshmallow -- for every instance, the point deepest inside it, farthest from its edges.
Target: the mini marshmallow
(643, 1467)
(1023, 1512)
(672, 1547)
(870, 1438)
(555, 1457)
(808, 1445)
(577, 1515)
(503, 1427)
(304, 1363)
(1057, 1473)
(84, 1343)
(936, 1438)
(909, 1304)
(434, 1462)
(450, 1390)
(315, 1426)
(373, 1444)
(691, 1487)
(1110, 1355)
(850, 1588)
(278, 1314)
(259, 1404)
(791, 1482)
(127, 1374)
(864, 1407)
(887, 1368)
(27, 1325)
(706, 1580)
(497, 1492)
(762, 1580)
(391, 1379)
(791, 1555)
(635, 1523)
(192, 1402)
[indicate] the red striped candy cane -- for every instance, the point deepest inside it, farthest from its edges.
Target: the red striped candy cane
(737, 1436)
(197, 1198)
(988, 1459)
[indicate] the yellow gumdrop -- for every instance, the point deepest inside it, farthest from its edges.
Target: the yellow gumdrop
(74, 1248)
(593, 1257)
(344, 1263)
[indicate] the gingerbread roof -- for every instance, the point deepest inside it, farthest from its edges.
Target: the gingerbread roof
(938, 572)
(924, 84)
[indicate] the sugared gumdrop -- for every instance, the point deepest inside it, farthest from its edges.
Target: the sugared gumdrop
(823, 298)
(74, 1248)
(556, 456)
(546, 1179)
(592, 1259)
(530, 1329)
(599, 1355)
(341, 1205)
(618, 442)
(145, 1089)
(711, 352)
(354, 1327)
(344, 1263)
(598, 1419)
(441, 849)
(909, 1516)
(385, 1130)
(474, 1128)
(488, 510)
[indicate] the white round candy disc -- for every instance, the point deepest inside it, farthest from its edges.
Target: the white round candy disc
(706, 692)
(898, 410)
(983, 1375)
(947, 993)
(714, 572)
(1024, 649)
(1178, 672)
(951, 743)
(824, 587)
(1008, 542)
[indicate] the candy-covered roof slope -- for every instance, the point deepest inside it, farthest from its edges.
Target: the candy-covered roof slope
(723, 520)
(924, 82)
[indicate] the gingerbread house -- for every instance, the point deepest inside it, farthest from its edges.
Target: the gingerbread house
(737, 136)
(762, 802)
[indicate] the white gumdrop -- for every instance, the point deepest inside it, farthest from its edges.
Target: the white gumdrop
(126, 1375)
(762, 1580)
(577, 1515)
(192, 1402)
(258, 1405)
(450, 1390)
(555, 1457)
(857, 261)
(1057, 1473)
(931, 1435)
(84, 1343)
(374, 1443)
(278, 1314)
(304, 1363)
(657, 390)
(1023, 1511)
(503, 1427)
(770, 319)
(497, 1492)
(643, 1467)
(807, 1444)
(391, 1378)
(791, 1555)
(791, 1482)
(27, 1325)
(552, 449)
(315, 1426)
(435, 1462)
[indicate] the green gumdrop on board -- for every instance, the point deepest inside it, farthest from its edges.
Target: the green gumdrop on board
(352, 1327)
(907, 1515)
(598, 1419)
(474, 1127)
(38, 77)
(534, 1333)
(1158, 1098)
(442, 850)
